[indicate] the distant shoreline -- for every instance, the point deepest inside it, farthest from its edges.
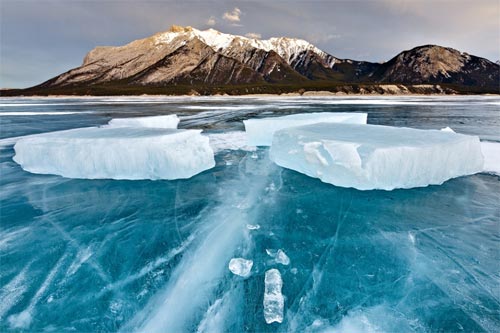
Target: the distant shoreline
(320, 90)
(285, 95)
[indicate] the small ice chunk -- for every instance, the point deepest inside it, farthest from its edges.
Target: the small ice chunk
(376, 157)
(240, 266)
(491, 153)
(253, 226)
(116, 153)
(274, 301)
(260, 131)
(282, 258)
(169, 121)
(447, 129)
(279, 256)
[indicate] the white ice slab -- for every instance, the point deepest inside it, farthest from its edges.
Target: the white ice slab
(274, 301)
(491, 153)
(168, 121)
(376, 157)
(116, 153)
(260, 131)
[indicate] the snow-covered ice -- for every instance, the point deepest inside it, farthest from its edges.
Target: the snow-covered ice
(279, 256)
(376, 157)
(491, 153)
(260, 131)
(240, 266)
(274, 301)
(168, 121)
(116, 153)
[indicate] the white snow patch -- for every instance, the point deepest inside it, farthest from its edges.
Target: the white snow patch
(260, 131)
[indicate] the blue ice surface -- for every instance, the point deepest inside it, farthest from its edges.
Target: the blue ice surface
(122, 256)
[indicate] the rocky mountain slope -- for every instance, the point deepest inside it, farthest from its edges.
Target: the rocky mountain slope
(185, 56)
(436, 64)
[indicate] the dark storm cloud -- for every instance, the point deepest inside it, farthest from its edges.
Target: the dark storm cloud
(40, 39)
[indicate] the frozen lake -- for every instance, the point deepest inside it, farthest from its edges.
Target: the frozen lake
(152, 256)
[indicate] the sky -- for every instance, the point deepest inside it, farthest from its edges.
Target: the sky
(40, 39)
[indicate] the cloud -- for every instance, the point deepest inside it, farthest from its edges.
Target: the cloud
(211, 21)
(232, 16)
(253, 35)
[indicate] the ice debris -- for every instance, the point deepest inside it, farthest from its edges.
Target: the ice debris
(279, 256)
(168, 121)
(447, 129)
(376, 157)
(240, 266)
(116, 153)
(260, 131)
(274, 301)
(253, 226)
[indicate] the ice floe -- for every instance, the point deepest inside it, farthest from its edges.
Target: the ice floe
(116, 153)
(274, 301)
(260, 131)
(240, 266)
(168, 121)
(491, 153)
(376, 157)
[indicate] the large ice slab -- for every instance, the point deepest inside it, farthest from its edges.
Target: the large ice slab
(168, 121)
(260, 131)
(116, 153)
(376, 157)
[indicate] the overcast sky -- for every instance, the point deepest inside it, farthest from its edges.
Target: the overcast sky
(42, 38)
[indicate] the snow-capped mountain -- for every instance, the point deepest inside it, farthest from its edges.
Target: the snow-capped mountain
(188, 57)
(290, 49)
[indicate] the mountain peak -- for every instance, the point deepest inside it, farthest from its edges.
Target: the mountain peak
(290, 49)
(178, 28)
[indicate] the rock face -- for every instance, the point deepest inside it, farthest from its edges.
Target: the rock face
(436, 64)
(187, 56)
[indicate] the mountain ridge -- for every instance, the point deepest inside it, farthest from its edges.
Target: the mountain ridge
(209, 59)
